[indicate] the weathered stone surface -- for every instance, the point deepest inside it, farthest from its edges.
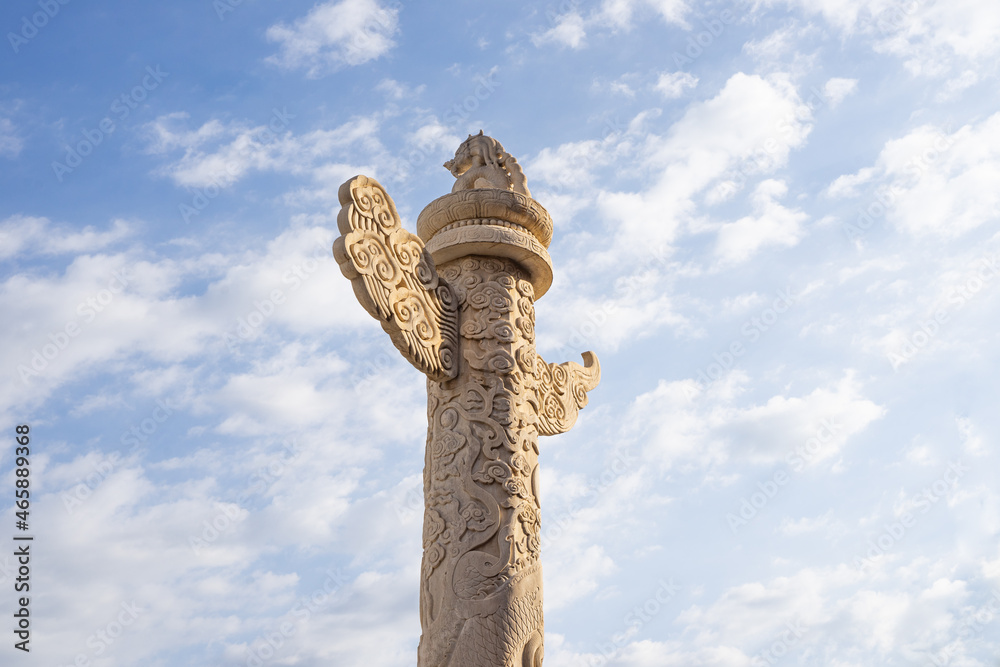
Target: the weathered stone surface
(512, 207)
(462, 311)
(481, 162)
(394, 278)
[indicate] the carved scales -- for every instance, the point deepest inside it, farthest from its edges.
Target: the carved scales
(461, 310)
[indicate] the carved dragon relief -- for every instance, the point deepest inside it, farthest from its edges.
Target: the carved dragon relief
(468, 324)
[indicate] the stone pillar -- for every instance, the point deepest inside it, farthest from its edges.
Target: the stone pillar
(461, 309)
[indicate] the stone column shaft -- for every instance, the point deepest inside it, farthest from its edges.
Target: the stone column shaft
(458, 302)
(481, 590)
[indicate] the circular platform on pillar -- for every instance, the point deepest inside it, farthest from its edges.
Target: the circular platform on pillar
(490, 222)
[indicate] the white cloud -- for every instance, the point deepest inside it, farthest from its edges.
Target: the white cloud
(972, 442)
(24, 235)
(750, 118)
(334, 34)
(157, 573)
(327, 179)
(790, 49)
(776, 45)
(898, 617)
(167, 133)
(11, 142)
(570, 165)
(712, 428)
(908, 290)
(395, 90)
(824, 522)
(842, 14)
(622, 88)
(641, 304)
(957, 84)
(748, 129)
(936, 39)
(837, 89)
(97, 402)
(932, 39)
(283, 394)
(435, 137)
(620, 13)
(244, 149)
(936, 182)
(847, 185)
(568, 31)
(771, 225)
(123, 307)
(577, 577)
(831, 415)
(673, 84)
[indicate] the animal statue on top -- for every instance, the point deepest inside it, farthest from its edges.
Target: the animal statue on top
(481, 162)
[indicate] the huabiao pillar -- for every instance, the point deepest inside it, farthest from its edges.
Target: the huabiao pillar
(457, 300)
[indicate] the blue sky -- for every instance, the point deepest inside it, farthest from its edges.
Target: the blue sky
(775, 223)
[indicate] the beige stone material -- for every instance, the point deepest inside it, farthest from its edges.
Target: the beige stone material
(462, 311)
(394, 278)
(481, 162)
